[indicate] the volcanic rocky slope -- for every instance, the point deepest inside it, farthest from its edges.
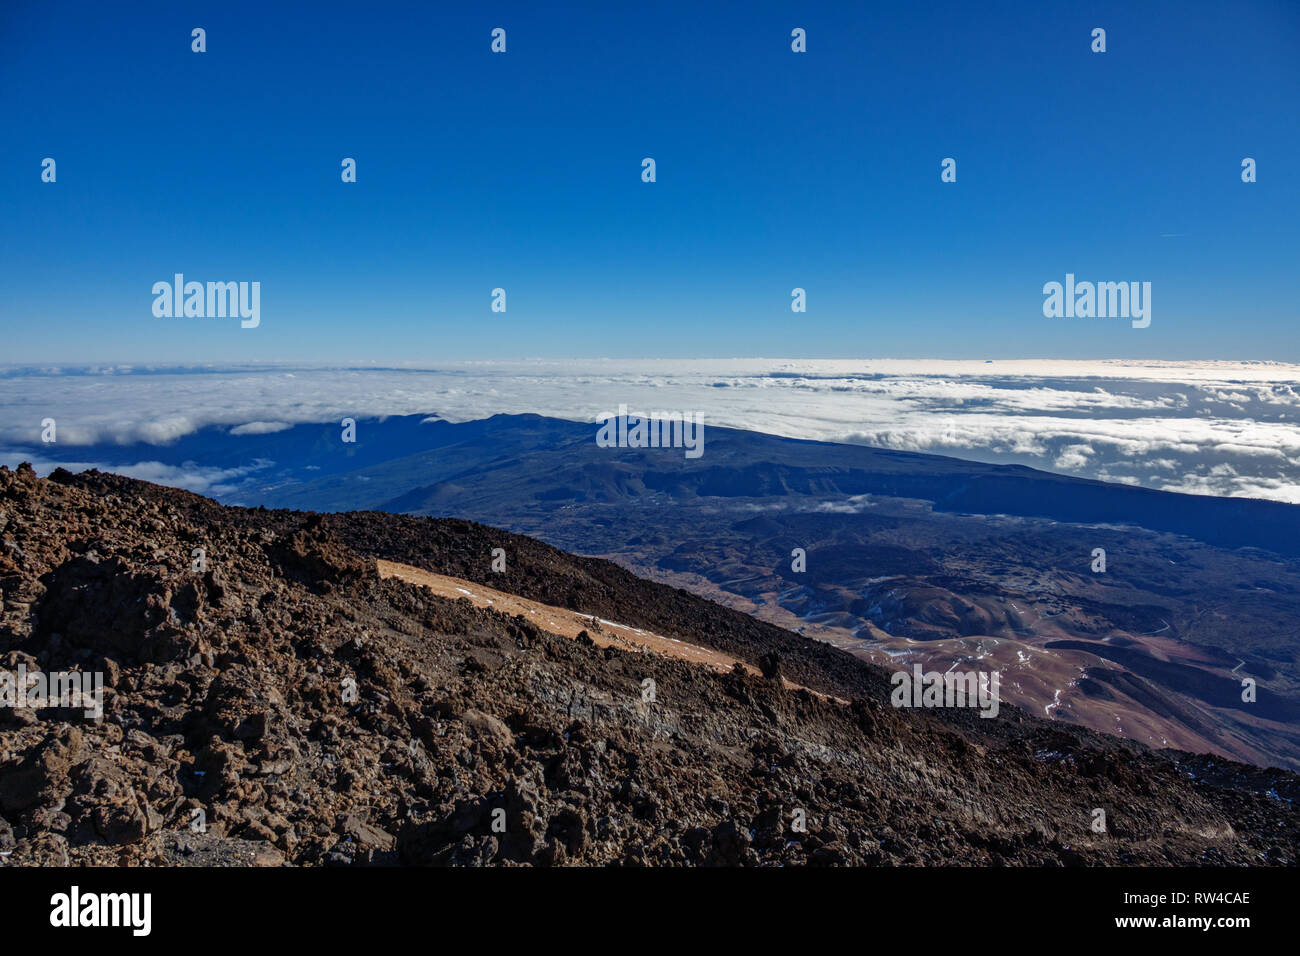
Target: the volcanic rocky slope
(477, 738)
(910, 558)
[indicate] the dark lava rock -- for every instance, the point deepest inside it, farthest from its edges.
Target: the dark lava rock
(285, 705)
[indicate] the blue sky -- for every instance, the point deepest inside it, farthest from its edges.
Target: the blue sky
(522, 171)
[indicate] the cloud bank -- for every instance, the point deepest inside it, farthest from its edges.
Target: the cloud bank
(1220, 428)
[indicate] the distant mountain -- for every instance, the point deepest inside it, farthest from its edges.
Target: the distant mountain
(563, 456)
(400, 461)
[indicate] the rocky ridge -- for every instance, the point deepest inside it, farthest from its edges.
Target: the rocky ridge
(306, 711)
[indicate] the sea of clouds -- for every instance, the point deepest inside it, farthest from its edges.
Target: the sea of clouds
(1219, 428)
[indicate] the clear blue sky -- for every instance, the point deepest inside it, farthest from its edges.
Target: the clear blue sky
(522, 170)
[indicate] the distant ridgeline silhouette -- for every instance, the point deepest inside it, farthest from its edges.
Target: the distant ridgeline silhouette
(414, 463)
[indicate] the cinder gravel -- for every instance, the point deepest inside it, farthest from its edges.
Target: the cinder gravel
(306, 712)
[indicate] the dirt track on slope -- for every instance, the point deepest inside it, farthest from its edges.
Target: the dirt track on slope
(566, 623)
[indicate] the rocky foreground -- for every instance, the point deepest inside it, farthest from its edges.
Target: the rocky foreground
(282, 703)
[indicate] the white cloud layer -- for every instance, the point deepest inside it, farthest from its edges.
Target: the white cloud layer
(1222, 428)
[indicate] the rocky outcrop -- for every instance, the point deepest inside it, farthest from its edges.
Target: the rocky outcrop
(278, 703)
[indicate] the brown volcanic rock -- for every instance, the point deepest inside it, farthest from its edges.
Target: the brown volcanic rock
(316, 558)
(288, 706)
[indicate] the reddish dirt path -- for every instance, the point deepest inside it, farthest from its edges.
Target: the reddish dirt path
(558, 620)
(566, 623)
